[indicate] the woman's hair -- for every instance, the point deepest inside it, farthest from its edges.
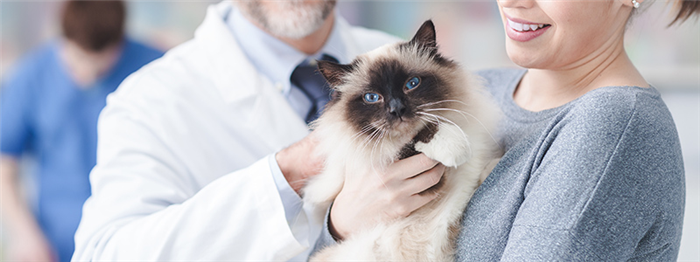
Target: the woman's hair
(93, 25)
(686, 9)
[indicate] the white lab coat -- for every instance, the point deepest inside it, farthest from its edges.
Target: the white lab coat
(182, 170)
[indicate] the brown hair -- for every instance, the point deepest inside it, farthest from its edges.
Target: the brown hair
(93, 25)
(686, 9)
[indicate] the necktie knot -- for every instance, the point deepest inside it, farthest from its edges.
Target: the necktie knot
(309, 81)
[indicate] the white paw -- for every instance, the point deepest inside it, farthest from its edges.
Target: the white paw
(450, 146)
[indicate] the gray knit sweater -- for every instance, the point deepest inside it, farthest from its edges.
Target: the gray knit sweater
(598, 179)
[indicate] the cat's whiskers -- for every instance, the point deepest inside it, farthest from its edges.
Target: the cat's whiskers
(441, 101)
(365, 129)
(376, 143)
(448, 121)
(465, 114)
(379, 137)
(375, 126)
(380, 130)
(368, 140)
(427, 120)
(362, 131)
(430, 118)
(464, 135)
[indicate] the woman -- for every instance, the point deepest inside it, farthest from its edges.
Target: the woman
(593, 168)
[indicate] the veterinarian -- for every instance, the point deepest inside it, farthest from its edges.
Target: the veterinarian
(50, 102)
(592, 169)
(187, 166)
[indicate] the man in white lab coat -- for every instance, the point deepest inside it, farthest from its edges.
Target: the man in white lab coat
(191, 161)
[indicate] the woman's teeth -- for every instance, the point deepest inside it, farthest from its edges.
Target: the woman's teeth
(524, 27)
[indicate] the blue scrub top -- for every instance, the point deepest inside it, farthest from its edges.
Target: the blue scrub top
(44, 113)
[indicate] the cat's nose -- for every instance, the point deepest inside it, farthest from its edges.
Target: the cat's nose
(396, 108)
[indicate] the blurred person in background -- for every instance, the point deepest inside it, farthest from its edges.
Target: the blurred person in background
(192, 159)
(50, 104)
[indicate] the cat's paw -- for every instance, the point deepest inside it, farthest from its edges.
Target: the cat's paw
(450, 146)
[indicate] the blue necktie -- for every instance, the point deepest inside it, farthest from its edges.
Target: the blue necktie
(309, 81)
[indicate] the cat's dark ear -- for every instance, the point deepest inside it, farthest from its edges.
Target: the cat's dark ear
(425, 36)
(333, 72)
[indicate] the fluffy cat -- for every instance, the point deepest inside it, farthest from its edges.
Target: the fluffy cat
(392, 103)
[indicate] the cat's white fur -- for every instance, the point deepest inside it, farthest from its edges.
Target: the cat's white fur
(463, 144)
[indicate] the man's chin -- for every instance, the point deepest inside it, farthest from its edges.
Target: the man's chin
(295, 22)
(293, 32)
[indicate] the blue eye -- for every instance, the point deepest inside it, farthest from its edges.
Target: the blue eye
(413, 83)
(372, 97)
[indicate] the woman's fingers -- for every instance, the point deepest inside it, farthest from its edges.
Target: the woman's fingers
(411, 166)
(425, 180)
(370, 198)
(417, 201)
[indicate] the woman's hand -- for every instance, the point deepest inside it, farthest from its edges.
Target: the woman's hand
(367, 199)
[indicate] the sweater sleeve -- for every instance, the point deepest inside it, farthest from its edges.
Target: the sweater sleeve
(325, 239)
(604, 185)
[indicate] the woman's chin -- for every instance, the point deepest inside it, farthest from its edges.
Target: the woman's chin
(523, 58)
(525, 62)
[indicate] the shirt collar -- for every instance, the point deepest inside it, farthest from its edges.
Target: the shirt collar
(273, 58)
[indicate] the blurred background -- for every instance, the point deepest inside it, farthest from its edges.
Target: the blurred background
(469, 31)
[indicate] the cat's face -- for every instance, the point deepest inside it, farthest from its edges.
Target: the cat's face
(393, 92)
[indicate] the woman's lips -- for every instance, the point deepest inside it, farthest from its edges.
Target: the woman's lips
(523, 31)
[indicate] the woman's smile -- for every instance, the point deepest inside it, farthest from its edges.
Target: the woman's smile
(523, 31)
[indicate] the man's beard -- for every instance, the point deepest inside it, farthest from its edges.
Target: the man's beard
(293, 19)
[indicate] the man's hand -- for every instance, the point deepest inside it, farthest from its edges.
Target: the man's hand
(298, 162)
(29, 247)
(367, 199)
(27, 242)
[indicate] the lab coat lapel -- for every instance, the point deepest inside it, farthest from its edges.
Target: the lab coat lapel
(352, 47)
(252, 97)
(233, 75)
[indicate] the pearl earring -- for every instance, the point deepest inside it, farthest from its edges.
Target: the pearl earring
(635, 3)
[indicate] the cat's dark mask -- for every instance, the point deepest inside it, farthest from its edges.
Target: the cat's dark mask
(425, 39)
(391, 88)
